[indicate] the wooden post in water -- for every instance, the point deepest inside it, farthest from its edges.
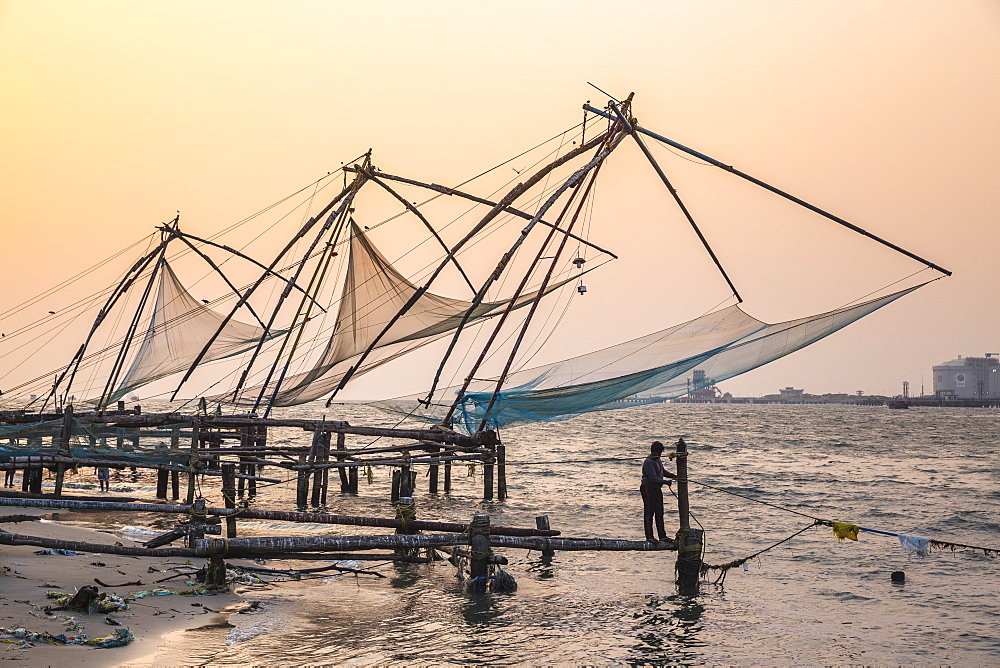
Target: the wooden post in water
(488, 478)
(215, 574)
(542, 522)
(405, 482)
(345, 485)
(26, 475)
(689, 541)
(325, 473)
(192, 459)
(67, 432)
(302, 484)
(315, 458)
(175, 445)
(406, 512)
(36, 478)
(161, 484)
(501, 472)
(394, 489)
(432, 486)
(319, 455)
(480, 551)
(196, 530)
(229, 495)
(245, 441)
(352, 476)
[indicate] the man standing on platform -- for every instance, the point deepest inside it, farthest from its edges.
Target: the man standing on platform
(653, 478)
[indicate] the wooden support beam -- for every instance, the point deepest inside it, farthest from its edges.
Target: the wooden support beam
(542, 524)
(195, 437)
(479, 553)
(432, 486)
(689, 541)
(344, 483)
(302, 484)
(488, 479)
(272, 515)
(229, 496)
(64, 445)
(501, 473)
(161, 484)
(196, 529)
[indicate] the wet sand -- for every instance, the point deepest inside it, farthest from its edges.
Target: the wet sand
(25, 577)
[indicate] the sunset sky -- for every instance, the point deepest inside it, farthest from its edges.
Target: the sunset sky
(118, 114)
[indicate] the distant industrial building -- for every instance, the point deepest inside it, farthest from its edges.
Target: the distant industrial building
(791, 394)
(968, 378)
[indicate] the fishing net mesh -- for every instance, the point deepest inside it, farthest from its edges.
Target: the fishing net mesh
(649, 369)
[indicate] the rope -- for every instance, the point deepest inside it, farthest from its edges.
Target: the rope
(405, 513)
(724, 568)
(748, 498)
(214, 546)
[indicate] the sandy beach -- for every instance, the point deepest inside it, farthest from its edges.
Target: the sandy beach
(28, 577)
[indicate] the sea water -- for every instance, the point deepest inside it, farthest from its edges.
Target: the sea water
(813, 600)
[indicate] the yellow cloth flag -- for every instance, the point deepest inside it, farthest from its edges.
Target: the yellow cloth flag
(844, 530)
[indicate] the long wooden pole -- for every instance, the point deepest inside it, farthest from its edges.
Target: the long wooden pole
(677, 198)
(742, 175)
(263, 545)
(689, 541)
(274, 515)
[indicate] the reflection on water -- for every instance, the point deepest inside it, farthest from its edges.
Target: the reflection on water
(668, 630)
(813, 600)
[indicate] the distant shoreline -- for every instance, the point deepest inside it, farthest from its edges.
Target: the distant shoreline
(920, 402)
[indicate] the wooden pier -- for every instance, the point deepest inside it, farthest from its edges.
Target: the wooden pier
(234, 448)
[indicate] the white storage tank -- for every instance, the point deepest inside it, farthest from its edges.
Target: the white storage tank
(968, 378)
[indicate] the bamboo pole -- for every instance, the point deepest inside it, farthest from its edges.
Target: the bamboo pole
(274, 515)
(50, 460)
(349, 556)
(80, 546)
(437, 435)
(266, 545)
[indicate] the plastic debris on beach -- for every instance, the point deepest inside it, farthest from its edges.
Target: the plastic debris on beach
(152, 592)
(20, 636)
(104, 603)
(65, 553)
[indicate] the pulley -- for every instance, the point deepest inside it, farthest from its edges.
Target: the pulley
(582, 289)
(579, 262)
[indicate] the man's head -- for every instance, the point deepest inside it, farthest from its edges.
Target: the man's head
(656, 449)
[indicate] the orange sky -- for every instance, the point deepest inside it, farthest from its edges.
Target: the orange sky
(116, 115)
